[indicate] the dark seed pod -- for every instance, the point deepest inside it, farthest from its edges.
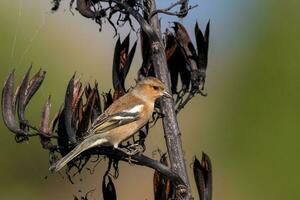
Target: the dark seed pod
(147, 68)
(203, 177)
(178, 66)
(15, 98)
(108, 99)
(77, 94)
(121, 65)
(34, 84)
(97, 108)
(171, 44)
(185, 43)
(177, 63)
(68, 112)
(86, 114)
(163, 188)
(87, 90)
(202, 47)
(191, 57)
(63, 140)
(45, 124)
(54, 122)
(25, 92)
(8, 106)
(108, 190)
(22, 97)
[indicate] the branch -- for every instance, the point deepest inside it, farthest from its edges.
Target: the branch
(138, 159)
(189, 97)
(141, 160)
(183, 10)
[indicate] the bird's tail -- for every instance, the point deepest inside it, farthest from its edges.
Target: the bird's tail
(89, 142)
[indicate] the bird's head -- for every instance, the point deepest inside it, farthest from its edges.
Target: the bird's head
(151, 88)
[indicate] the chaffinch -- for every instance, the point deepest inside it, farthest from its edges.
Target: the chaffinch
(120, 120)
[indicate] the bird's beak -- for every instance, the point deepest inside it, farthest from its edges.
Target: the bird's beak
(166, 94)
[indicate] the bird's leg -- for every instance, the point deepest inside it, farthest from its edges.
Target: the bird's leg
(130, 152)
(136, 147)
(127, 152)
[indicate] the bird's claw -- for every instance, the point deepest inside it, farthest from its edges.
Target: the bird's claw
(132, 149)
(136, 148)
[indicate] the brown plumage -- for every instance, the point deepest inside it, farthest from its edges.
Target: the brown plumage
(120, 120)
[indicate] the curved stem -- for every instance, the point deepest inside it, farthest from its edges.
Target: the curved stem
(141, 160)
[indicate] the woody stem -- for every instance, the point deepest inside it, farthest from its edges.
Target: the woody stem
(170, 123)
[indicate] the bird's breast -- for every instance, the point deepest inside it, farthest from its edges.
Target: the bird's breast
(121, 133)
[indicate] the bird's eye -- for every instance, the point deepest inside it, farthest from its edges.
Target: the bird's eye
(155, 88)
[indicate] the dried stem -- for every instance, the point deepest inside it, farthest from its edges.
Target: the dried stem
(141, 160)
(167, 11)
(170, 123)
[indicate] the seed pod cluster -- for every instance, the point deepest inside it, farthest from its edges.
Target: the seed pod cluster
(186, 60)
(15, 102)
(121, 65)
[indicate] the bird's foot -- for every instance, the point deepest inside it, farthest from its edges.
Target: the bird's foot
(129, 161)
(132, 149)
(136, 147)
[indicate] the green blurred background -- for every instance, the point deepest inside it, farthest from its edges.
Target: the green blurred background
(247, 124)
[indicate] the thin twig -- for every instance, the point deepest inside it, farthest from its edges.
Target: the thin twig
(168, 12)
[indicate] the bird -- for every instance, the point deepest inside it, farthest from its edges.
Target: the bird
(121, 120)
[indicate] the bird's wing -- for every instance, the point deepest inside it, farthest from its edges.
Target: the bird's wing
(107, 122)
(124, 110)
